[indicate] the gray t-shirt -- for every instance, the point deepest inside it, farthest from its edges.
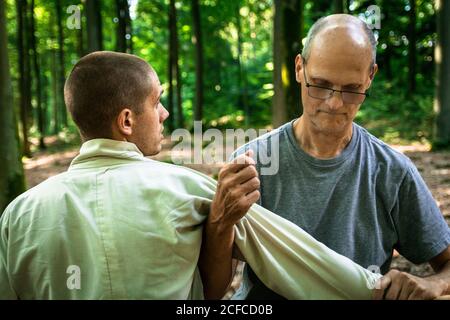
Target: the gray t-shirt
(363, 203)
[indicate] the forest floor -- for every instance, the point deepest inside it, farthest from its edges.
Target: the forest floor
(434, 167)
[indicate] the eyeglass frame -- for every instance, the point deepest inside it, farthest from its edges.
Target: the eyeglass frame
(308, 85)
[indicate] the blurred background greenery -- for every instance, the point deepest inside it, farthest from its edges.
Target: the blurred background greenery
(226, 63)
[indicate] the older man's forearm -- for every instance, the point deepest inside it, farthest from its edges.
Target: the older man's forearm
(216, 263)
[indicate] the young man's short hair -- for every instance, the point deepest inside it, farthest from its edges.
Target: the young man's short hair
(101, 85)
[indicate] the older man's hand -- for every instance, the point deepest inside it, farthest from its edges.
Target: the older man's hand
(237, 191)
(397, 285)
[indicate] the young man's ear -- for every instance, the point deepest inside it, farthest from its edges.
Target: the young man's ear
(124, 123)
(298, 68)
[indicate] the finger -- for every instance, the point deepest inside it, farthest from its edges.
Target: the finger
(381, 286)
(393, 292)
(232, 168)
(405, 291)
(244, 175)
(416, 294)
(246, 158)
(250, 186)
(252, 197)
(247, 201)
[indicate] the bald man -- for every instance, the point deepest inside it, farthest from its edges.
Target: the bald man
(341, 184)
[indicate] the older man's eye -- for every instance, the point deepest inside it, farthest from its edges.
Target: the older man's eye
(352, 88)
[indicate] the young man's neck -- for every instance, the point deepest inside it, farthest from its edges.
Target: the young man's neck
(320, 144)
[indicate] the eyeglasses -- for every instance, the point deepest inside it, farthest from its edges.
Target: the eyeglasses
(324, 93)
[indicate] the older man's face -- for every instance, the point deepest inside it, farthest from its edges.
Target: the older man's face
(340, 58)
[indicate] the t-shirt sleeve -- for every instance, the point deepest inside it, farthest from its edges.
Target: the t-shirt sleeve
(422, 231)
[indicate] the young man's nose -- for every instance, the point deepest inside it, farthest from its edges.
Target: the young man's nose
(163, 114)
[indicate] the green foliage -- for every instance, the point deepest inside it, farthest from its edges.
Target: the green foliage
(230, 78)
(394, 116)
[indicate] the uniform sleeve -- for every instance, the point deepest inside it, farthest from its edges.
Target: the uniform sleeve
(421, 229)
(6, 290)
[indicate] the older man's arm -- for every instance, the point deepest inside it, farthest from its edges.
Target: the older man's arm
(237, 191)
(403, 286)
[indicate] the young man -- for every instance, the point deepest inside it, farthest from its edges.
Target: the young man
(115, 225)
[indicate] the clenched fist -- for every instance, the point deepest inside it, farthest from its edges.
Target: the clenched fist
(237, 191)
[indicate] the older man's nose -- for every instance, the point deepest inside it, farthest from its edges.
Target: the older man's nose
(335, 101)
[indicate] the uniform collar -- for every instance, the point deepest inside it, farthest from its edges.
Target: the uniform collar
(97, 152)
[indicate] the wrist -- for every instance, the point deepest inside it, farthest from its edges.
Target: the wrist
(219, 229)
(218, 223)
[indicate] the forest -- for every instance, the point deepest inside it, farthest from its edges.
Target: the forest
(229, 64)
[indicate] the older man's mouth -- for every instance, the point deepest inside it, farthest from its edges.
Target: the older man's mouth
(333, 112)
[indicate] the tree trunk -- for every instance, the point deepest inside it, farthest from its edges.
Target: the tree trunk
(37, 72)
(197, 39)
(442, 58)
(12, 181)
(24, 75)
(45, 88)
(386, 57)
(80, 41)
(287, 44)
(94, 25)
(179, 101)
(339, 6)
(174, 101)
(412, 52)
(123, 31)
(56, 124)
(62, 78)
(170, 102)
(242, 82)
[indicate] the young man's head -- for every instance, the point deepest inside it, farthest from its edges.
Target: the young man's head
(116, 96)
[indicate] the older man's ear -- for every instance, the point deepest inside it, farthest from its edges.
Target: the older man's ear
(298, 68)
(372, 74)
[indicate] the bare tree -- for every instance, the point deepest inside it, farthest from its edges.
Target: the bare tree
(442, 58)
(12, 181)
(94, 25)
(24, 74)
(198, 109)
(288, 23)
(37, 74)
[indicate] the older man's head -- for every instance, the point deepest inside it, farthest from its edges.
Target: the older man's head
(339, 53)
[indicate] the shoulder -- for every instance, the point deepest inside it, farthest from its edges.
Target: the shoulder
(50, 190)
(266, 141)
(168, 177)
(382, 155)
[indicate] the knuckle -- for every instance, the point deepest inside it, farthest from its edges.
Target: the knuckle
(255, 184)
(231, 194)
(222, 173)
